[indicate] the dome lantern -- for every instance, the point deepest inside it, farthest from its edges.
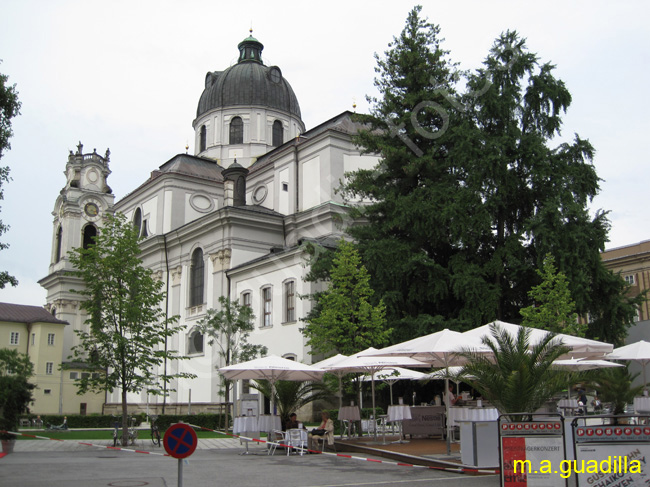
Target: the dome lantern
(250, 49)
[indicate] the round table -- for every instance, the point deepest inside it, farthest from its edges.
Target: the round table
(348, 414)
(458, 414)
(268, 422)
(244, 424)
(399, 413)
(642, 405)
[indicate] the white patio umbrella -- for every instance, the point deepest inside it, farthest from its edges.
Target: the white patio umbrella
(439, 349)
(579, 347)
(393, 374)
(579, 365)
(371, 365)
(273, 369)
(339, 373)
(637, 352)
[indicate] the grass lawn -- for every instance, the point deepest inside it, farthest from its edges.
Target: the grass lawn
(102, 434)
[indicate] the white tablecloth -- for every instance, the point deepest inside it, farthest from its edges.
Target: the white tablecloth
(642, 405)
(350, 413)
(267, 422)
(399, 413)
(458, 414)
(243, 424)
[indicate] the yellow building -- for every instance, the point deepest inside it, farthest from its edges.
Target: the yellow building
(632, 262)
(35, 332)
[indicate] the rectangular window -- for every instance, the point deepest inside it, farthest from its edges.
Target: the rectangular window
(74, 375)
(290, 301)
(49, 368)
(33, 338)
(85, 375)
(14, 338)
(246, 299)
(47, 392)
(629, 279)
(50, 338)
(266, 306)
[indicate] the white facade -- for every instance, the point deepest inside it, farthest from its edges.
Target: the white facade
(249, 229)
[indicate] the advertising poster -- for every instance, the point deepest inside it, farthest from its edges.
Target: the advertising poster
(612, 465)
(532, 461)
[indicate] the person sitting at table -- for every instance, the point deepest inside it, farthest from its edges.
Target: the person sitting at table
(598, 406)
(324, 432)
(292, 423)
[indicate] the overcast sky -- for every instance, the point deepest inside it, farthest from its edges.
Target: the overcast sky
(127, 75)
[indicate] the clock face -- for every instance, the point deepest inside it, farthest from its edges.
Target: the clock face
(91, 209)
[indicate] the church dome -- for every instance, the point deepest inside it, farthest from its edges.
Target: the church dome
(248, 83)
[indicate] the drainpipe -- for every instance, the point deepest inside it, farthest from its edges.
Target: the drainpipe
(295, 155)
(166, 318)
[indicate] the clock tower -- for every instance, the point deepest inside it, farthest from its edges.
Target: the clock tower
(85, 200)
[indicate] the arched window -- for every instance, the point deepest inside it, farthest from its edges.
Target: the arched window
(196, 278)
(278, 135)
(236, 131)
(90, 232)
(137, 220)
(202, 138)
(59, 238)
(195, 342)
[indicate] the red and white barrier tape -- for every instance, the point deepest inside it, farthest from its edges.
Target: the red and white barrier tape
(130, 450)
(464, 470)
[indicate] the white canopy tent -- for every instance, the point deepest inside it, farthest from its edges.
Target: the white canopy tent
(579, 347)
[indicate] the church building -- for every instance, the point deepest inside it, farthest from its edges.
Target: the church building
(230, 220)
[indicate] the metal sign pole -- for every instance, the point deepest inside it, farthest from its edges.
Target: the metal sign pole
(180, 472)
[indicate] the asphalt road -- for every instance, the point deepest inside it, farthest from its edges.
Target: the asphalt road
(97, 467)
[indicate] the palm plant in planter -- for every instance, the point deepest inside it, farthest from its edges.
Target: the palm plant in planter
(614, 386)
(517, 377)
(292, 395)
(15, 392)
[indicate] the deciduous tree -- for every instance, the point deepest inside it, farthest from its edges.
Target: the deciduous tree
(15, 389)
(348, 322)
(9, 108)
(127, 329)
(229, 328)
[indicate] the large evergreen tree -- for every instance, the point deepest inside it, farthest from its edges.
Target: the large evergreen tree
(409, 243)
(469, 196)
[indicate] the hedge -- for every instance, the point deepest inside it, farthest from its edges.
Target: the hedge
(210, 421)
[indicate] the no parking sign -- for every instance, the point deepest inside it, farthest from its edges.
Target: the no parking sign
(180, 442)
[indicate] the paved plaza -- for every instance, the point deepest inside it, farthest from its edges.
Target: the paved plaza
(217, 462)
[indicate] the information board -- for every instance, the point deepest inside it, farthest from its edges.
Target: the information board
(613, 455)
